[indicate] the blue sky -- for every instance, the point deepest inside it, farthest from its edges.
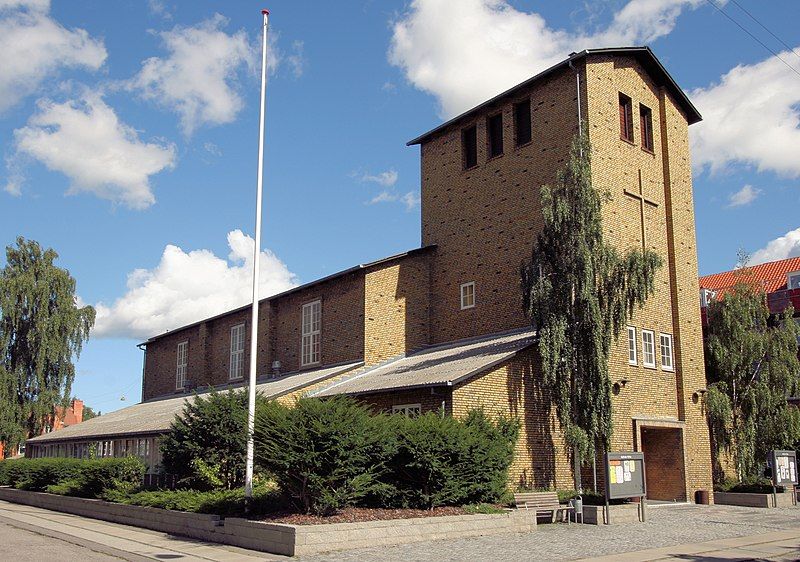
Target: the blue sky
(129, 137)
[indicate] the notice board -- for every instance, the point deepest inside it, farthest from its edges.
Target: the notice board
(625, 475)
(784, 468)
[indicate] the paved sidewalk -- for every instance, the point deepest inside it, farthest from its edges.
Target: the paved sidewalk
(121, 541)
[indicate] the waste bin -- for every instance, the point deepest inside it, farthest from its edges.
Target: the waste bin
(577, 504)
(701, 497)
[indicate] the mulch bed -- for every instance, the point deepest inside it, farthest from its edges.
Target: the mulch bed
(359, 514)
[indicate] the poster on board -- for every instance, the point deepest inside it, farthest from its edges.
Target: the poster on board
(784, 468)
(626, 475)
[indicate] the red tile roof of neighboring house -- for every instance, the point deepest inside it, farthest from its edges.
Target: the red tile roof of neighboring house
(772, 275)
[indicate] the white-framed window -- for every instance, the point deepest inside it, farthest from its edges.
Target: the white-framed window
(648, 349)
(666, 352)
(236, 365)
(707, 296)
(468, 295)
(407, 409)
(632, 357)
(793, 280)
(183, 361)
(312, 320)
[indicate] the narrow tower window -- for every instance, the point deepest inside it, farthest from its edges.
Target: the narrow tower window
(309, 353)
(646, 124)
(522, 122)
(236, 369)
(625, 118)
(469, 142)
(494, 125)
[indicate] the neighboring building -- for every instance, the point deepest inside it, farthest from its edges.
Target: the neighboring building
(72, 415)
(780, 280)
(441, 328)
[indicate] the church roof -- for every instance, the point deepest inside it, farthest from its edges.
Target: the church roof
(439, 365)
(645, 57)
(770, 275)
(155, 416)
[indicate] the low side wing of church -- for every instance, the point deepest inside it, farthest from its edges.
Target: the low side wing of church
(442, 328)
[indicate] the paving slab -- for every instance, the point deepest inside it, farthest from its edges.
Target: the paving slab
(122, 541)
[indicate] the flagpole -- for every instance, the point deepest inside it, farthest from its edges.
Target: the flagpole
(251, 402)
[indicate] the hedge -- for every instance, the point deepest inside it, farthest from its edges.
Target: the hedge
(329, 454)
(73, 477)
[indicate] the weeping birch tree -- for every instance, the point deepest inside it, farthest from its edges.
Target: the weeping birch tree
(752, 366)
(579, 293)
(42, 329)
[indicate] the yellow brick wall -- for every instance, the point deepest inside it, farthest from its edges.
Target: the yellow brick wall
(485, 219)
(396, 307)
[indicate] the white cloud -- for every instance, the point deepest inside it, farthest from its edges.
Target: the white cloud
(464, 53)
(750, 117)
(85, 140)
(410, 199)
(199, 78)
(159, 9)
(744, 196)
(296, 60)
(188, 286)
(786, 246)
(386, 179)
(34, 46)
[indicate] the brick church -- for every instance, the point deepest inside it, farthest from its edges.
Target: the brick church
(441, 327)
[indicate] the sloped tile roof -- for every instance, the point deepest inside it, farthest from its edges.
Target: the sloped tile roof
(441, 365)
(771, 275)
(155, 416)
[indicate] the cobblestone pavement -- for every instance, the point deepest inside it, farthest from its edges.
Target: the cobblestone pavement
(22, 545)
(667, 525)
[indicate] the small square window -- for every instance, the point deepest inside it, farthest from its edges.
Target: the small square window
(632, 358)
(646, 126)
(494, 128)
(793, 280)
(469, 143)
(522, 122)
(648, 349)
(666, 352)
(625, 118)
(468, 295)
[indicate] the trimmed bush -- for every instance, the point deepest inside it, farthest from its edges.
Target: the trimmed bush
(441, 460)
(753, 486)
(224, 503)
(75, 477)
(329, 454)
(324, 455)
(206, 444)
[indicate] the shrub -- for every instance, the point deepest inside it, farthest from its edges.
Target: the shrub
(441, 460)
(323, 454)
(751, 486)
(86, 478)
(207, 443)
(225, 503)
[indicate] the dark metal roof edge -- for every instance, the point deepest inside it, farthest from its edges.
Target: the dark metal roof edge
(693, 115)
(330, 277)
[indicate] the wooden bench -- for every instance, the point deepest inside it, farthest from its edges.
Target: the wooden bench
(543, 503)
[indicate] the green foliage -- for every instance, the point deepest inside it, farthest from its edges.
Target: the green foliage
(329, 454)
(756, 485)
(483, 508)
(440, 460)
(74, 477)
(207, 443)
(41, 330)
(324, 455)
(89, 413)
(579, 293)
(225, 503)
(752, 365)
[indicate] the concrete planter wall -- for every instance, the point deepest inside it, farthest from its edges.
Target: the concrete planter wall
(279, 538)
(620, 514)
(752, 500)
(295, 540)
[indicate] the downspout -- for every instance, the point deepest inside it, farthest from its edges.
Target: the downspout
(143, 347)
